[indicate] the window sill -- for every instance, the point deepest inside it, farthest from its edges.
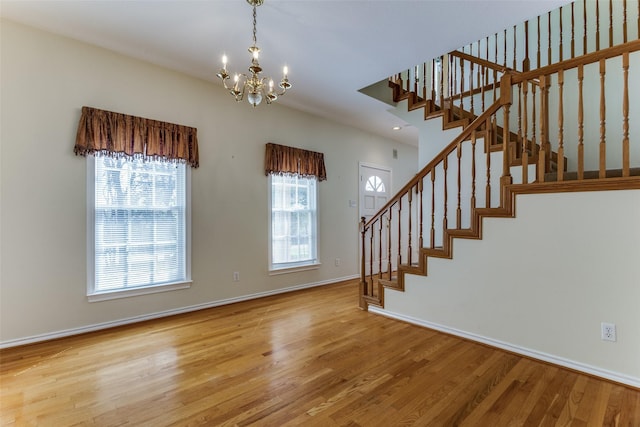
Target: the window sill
(133, 292)
(287, 270)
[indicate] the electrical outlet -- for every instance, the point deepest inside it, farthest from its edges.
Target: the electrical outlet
(338, 262)
(236, 276)
(608, 331)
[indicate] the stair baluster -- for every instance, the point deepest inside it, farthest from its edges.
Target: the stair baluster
(625, 115)
(560, 125)
(603, 115)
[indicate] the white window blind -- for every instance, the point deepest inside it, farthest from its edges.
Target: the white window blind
(140, 224)
(293, 221)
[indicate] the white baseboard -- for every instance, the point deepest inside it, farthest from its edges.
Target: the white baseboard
(166, 313)
(556, 360)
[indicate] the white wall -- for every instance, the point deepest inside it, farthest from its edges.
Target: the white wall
(46, 79)
(542, 283)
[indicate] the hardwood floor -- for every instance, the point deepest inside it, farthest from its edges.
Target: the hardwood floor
(307, 358)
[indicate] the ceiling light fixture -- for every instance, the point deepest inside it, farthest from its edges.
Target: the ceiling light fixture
(253, 84)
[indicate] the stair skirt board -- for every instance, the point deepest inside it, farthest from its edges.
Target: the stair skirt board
(527, 352)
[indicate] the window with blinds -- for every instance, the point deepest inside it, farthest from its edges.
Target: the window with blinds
(293, 221)
(140, 224)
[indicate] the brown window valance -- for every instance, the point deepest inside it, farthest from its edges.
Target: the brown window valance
(115, 134)
(283, 159)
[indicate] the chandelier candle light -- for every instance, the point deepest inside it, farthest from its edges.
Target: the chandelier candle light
(252, 83)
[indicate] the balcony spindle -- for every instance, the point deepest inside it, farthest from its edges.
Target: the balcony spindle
(486, 47)
(603, 115)
(625, 115)
(560, 52)
(420, 188)
(519, 135)
(380, 248)
(485, 78)
(473, 171)
(525, 133)
(506, 99)
(549, 38)
(543, 154)
(425, 80)
(535, 149)
(451, 83)
(441, 82)
(526, 63)
(515, 62)
(409, 226)
(445, 165)
(560, 125)
(487, 149)
(584, 29)
(580, 123)
(432, 237)
(538, 53)
(399, 232)
(371, 260)
(461, 63)
(610, 23)
(408, 87)
(389, 264)
(363, 273)
(434, 71)
(624, 21)
(597, 25)
(459, 209)
(573, 31)
(504, 53)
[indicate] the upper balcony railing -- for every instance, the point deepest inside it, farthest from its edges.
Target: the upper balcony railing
(469, 77)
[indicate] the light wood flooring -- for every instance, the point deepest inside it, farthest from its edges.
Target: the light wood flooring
(309, 358)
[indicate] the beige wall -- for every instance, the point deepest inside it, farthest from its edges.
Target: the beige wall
(46, 80)
(542, 283)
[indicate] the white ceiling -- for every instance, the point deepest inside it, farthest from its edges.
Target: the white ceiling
(332, 48)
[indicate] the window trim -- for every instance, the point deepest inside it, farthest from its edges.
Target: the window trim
(297, 266)
(95, 296)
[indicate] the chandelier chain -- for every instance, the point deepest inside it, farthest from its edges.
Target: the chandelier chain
(255, 41)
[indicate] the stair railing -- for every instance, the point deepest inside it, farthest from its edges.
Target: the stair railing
(506, 146)
(432, 202)
(582, 27)
(569, 112)
(457, 82)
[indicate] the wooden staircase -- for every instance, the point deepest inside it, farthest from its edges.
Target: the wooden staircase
(473, 177)
(456, 117)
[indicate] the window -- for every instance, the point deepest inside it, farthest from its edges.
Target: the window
(138, 224)
(375, 184)
(293, 221)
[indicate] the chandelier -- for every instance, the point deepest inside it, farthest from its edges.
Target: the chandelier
(255, 86)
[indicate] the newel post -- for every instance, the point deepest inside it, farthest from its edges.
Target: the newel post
(505, 101)
(363, 281)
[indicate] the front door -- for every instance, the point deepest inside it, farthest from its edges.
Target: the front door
(375, 188)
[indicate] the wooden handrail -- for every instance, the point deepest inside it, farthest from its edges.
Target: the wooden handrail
(482, 62)
(589, 58)
(437, 160)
